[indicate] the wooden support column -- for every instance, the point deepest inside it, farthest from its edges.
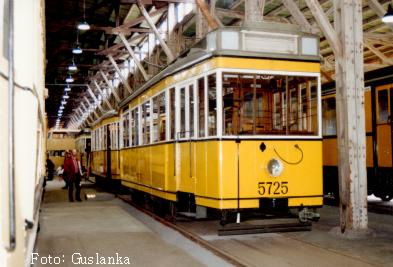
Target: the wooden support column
(110, 86)
(95, 99)
(102, 94)
(253, 11)
(134, 57)
(351, 134)
(347, 44)
(112, 60)
(149, 21)
(203, 16)
(201, 26)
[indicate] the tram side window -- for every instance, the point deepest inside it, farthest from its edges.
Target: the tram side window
(146, 123)
(258, 104)
(159, 118)
(192, 108)
(134, 127)
(383, 106)
(182, 105)
(329, 116)
(172, 112)
(104, 137)
(126, 129)
(212, 107)
(201, 106)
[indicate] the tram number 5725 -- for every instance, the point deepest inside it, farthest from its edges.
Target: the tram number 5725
(272, 188)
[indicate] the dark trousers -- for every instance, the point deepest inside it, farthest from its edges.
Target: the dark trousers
(71, 184)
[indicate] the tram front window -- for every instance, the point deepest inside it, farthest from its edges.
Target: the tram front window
(258, 104)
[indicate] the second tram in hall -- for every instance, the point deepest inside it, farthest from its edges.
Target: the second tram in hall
(83, 146)
(234, 125)
(104, 157)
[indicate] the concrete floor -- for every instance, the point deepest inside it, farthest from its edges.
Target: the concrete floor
(320, 247)
(107, 226)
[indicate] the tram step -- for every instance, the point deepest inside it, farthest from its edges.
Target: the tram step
(265, 226)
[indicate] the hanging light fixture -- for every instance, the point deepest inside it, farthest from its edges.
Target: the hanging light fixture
(84, 26)
(388, 17)
(77, 49)
(66, 96)
(67, 89)
(69, 79)
(72, 67)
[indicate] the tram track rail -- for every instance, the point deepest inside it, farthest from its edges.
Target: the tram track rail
(186, 233)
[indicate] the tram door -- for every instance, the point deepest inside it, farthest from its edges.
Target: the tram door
(384, 122)
(185, 144)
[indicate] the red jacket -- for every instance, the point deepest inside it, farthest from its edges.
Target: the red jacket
(69, 169)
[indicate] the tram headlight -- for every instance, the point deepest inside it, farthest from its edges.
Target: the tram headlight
(275, 167)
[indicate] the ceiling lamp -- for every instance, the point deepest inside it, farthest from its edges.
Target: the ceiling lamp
(69, 79)
(84, 26)
(66, 96)
(72, 67)
(77, 49)
(61, 107)
(63, 102)
(68, 88)
(388, 17)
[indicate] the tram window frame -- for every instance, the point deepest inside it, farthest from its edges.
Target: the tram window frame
(135, 127)
(329, 121)
(145, 122)
(201, 106)
(385, 119)
(212, 106)
(125, 141)
(172, 112)
(278, 91)
(159, 124)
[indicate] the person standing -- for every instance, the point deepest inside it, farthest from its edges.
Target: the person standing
(78, 175)
(50, 167)
(70, 176)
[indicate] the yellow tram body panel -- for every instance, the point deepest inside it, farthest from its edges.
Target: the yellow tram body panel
(98, 158)
(209, 170)
(99, 163)
(330, 143)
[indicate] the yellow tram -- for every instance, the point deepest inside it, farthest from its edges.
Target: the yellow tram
(105, 155)
(60, 140)
(235, 124)
(378, 109)
(83, 146)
